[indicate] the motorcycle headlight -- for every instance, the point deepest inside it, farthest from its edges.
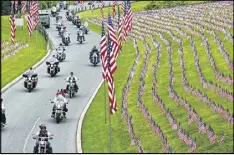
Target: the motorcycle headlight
(51, 65)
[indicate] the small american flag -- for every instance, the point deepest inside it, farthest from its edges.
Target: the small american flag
(114, 11)
(16, 5)
(125, 21)
(12, 21)
(114, 45)
(23, 6)
(103, 51)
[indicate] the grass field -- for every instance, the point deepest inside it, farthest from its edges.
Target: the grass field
(95, 132)
(26, 57)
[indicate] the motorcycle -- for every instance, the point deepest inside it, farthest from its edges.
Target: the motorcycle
(74, 20)
(66, 39)
(59, 26)
(80, 37)
(53, 68)
(2, 118)
(59, 111)
(69, 17)
(43, 143)
(61, 55)
(30, 81)
(57, 18)
(71, 89)
(94, 59)
(85, 29)
(78, 23)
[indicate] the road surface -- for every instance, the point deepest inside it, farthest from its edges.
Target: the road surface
(26, 111)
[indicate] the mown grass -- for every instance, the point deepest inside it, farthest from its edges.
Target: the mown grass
(26, 57)
(95, 132)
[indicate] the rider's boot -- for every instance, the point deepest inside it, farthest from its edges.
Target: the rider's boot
(64, 114)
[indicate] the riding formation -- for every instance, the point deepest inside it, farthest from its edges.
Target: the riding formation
(59, 108)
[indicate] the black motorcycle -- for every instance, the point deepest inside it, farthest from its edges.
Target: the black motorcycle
(78, 23)
(66, 39)
(52, 68)
(30, 81)
(61, 55)
(80, 37)
(94, 58)
(57, 18)
(3, 118)
(85, 29)
(43, 144)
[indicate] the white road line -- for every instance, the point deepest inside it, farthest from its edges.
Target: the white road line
(26, 140)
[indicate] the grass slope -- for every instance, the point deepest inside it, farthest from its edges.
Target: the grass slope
(95, 132)
(26, 57)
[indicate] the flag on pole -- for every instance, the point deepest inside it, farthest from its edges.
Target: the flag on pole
(125, 21)
(120, 33)
(129, 17)
(114, 42)
(92, 6)
(101, 8)
(12, 21)
(16, 5)
(29, 19)
(23, 6)
(113, 6)
(123, 6)
(36, 14)
(110, 79)
(103, 53)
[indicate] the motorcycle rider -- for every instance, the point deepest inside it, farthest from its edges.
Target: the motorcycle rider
(59, 97)
(54, 60)
(42, 133)
(94, 49)
(64, 30)
(3, 116)
(74, 79)
(82, 32)
(31, 72)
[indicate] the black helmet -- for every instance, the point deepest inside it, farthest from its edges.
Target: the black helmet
(71, 73)
(30, 68)
(42, 126)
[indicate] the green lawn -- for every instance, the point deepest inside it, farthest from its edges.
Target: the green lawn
(95, 138)
(26, 57)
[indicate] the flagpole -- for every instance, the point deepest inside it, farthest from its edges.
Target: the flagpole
(110, 133)
(105, 99)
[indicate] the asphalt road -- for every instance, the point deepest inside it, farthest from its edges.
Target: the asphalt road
(26, 111)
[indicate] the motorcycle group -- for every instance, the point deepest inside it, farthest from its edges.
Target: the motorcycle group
(31, 77)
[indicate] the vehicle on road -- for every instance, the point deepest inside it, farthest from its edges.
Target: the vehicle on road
(44, 18)
(61, 55)
(52, 68)
(66, 38)
(30, 81)
(71, 88)
(43, 144)
(94, 58)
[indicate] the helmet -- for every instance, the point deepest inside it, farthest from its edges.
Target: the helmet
(30, 68)
(94, 46)
(42, 126)
(71, 73)
(53, 55)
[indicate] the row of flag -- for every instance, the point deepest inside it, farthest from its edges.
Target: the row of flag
(32, 18)
(111, 44)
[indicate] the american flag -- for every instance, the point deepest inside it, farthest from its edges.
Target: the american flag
(114, 45)
(36, 13)
(103, 51)
(110, 79)
(92, 5)
(102, 7)
(23, 6)
(129, 18)
(16, 5)
(120, 33)
(29, 20)
(123, 6)
(125, 20)
(114, 11)
(13, 25)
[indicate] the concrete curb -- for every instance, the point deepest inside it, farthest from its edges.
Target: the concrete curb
(9, 85)
(79, 126)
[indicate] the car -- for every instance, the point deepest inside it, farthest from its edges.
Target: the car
(44, 18)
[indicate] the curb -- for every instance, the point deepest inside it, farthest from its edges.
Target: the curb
(79, 126)
(16, 80)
